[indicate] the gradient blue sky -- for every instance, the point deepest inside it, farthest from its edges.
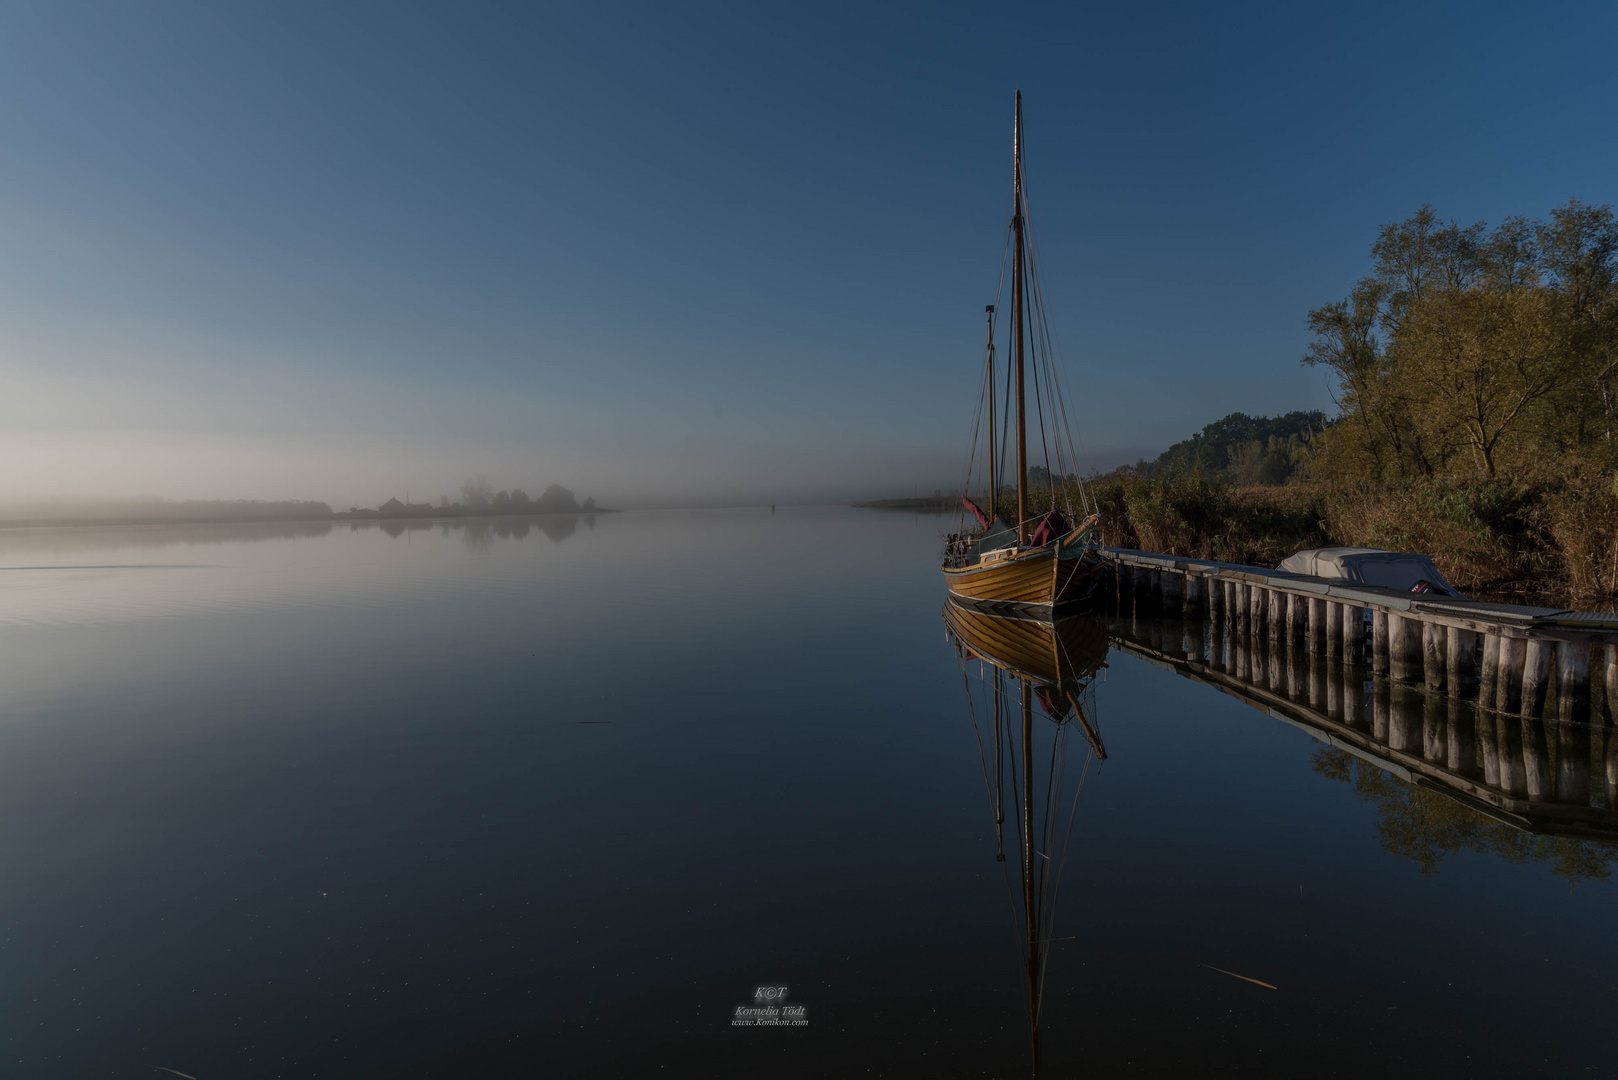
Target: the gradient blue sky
(690, 253)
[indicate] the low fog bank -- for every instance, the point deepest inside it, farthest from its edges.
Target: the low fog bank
(66, 511)
(171, 477)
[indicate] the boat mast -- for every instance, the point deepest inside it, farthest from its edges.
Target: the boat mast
(994, 426)
(1030, 911)
(1016, 322)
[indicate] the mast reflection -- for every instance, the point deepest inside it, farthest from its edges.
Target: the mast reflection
(1023, 667)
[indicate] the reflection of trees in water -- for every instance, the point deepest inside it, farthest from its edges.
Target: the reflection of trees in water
(481, 533)
(1424, 826)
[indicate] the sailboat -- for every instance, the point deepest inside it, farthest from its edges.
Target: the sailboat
(1044, 563)
(1033, 670)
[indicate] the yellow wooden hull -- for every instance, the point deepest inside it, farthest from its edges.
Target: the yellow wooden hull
(1030, 578)
(1047, 652)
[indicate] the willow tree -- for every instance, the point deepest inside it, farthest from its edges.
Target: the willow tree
(1470, 350)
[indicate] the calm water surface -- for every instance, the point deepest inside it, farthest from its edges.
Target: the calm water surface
(473, 801)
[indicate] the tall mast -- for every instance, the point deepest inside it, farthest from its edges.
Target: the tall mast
(1030, 911)
(1016, 322)
(994, 425)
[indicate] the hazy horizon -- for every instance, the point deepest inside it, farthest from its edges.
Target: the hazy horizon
(702, 256)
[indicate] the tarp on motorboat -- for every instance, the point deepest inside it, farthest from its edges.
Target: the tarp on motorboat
(1370, 566)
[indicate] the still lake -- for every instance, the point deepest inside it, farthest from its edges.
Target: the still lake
(554, 797)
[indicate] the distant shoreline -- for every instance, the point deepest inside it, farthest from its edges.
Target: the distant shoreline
(935, 504)
(300, 519)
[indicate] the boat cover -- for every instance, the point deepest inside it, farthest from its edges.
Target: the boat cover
(1053, 525)
(1368, 566)
(998, 535)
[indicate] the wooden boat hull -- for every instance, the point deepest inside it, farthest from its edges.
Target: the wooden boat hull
(1035, 580)
(1049, 653)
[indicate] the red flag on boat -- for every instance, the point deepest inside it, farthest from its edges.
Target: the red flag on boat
(1053, 526)
(983, 519)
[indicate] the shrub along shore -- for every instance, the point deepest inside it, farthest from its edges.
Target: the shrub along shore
(1475, 373)
(1507, 539)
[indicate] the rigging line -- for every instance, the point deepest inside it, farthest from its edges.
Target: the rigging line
(1067, 426)
(1045, 350)
(1054, 363)
(1047, 908)
(1005, 426)
(1084, 776)
(972, 709)
(1050, 793)
(972, 453)
(1062, 864)
(986, 386)
(1039, 410)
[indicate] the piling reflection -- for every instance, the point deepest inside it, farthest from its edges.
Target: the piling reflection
(1445, 773)
(1028, 688)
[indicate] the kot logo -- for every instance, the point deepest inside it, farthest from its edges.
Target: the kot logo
(769, 1009)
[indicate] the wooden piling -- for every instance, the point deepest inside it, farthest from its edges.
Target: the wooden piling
(1489, 678)
(1434, 721)
(1319, 684)
(1153, 591)
(1319, 627)
(1404, 719)
(1508, 698)
(1461, 755)
(1536, 760)
(1404, 648)
(1379, 641)
(1611, 680)
(1508, 741)
(1334, 629)
(1297, 662)
(1170, 586)
(1242, 598)
(1573, 682)
(1194, 589)
(1381, 706)
(1490, 748)
(1334, 693)
(1433, 669)
(1277, 618)
(1612, 767)
(1573, 763)
(1297, 619)
(1460, 662)
(1536, 676)
(1353, 632)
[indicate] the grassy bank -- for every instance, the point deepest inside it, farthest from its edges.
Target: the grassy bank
(1548, 540)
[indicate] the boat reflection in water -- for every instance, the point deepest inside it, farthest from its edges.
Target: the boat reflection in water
(1029, 686)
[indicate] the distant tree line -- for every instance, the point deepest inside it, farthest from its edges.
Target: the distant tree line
(1245, 450)
(479, 498)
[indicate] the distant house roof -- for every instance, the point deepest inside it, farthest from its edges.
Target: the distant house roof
(392, 506)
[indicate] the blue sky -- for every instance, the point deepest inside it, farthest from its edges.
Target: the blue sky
(664, 253)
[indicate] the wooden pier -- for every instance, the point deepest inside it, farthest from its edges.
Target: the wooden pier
(1540, 663)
